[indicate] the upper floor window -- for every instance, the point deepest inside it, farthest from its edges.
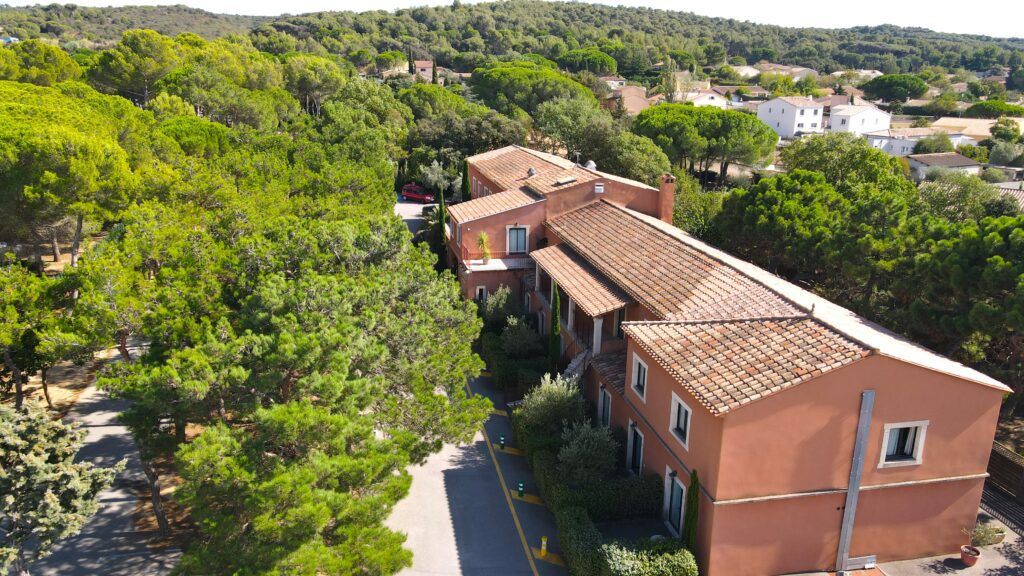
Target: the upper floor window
(639, 377)
(903, 444)
(801, 111)
(517, 240)
(815, 111)
(679, 421)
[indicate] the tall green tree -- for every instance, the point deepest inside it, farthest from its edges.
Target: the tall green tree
(555, 330)
(46, 495)
(134, 66)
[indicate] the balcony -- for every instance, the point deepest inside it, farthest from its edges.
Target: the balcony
(498, 260)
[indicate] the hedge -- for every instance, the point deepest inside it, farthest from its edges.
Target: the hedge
(612, 499)
(580, 541)
(662, 557)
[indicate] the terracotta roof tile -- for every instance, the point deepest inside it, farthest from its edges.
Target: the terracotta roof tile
(592, 292)
(611, 368)
(490, 205)
(507, 167)
(949, 159)
(727, 364)
(670, 278)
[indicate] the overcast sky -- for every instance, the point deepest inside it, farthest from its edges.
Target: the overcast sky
(993, 18)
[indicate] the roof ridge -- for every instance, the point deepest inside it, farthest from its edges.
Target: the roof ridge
(780, 295)
(804, 316)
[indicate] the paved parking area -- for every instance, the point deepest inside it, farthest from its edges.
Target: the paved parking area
(411, 213)
(463, 517)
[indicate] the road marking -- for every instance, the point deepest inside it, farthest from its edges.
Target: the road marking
(508, 498)
(497, 412)
(485, 373)
(526, 497)
(550, 557)
(509, 450)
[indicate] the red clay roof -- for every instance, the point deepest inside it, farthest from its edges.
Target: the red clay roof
(509, 169)
(668, 277)
(727, 364)
(592, 292)
(611, 368)
(490, 205)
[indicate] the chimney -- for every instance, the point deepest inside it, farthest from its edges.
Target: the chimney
(666, 197)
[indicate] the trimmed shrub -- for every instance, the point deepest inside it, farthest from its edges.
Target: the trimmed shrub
(663, 557)
(614, 498)
(580, 541)
(519, 341)
(587, 455)
(545, 410)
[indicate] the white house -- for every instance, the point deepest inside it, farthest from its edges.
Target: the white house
(858, 119)
(920, 164)
(901, 141)
(791, 116)
(614, 82)
(703, 98)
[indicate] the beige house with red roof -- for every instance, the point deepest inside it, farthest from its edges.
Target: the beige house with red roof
(821, 440)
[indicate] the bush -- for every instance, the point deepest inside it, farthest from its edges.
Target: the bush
(587, 455)
(545, 410)
(615, 498)
(497, 308)
(580, 540)
(519, 341)
(663, 557)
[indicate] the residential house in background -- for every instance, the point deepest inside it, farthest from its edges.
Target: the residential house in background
(742, 93)
(632, 99)
(792, 116)
(5, 40)
(514, 190)
(976, 128)
(703, 98)
(921, 164)
(857, 119)
(901, 141)
(684, 82)
(424, 69)
(797, 73)
(841, 100)
(614, 82)
(745, 72)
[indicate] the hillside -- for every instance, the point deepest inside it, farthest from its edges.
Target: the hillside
(459, 35)
(88, 26)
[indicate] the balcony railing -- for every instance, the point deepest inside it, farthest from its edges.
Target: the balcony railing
(466, 254)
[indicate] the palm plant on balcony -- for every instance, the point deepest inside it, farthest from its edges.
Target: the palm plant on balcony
(483, 242)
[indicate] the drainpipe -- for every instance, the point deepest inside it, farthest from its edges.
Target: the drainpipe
(844, 564)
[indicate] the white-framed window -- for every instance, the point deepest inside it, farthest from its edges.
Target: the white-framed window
(476, 187)
(679, 421)
(800, 125)
(480, 294)
(814, 124)
(674, 507)
(815, 111)
(620, 317)
(487, 191)
(458, 234)
(903, 444)
(635, 449)
(639, 380)
(516, 239)
(842, 122)
(801, 111)
(604, 408)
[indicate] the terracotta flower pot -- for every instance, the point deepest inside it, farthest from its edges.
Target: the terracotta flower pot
(969, 555)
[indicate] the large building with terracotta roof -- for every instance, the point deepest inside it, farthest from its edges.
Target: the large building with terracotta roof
(771, 393)
(821, 441)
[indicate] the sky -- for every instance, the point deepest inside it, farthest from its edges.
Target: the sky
(1003, 18)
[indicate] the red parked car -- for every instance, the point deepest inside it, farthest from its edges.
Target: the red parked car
(413, 191)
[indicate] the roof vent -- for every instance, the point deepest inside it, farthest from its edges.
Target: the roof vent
(590, 165)
(531, 172)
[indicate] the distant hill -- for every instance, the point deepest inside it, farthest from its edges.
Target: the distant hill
(90, 27)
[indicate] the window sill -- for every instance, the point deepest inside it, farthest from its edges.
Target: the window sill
(639, 394)
(679, 438)
(899, 463)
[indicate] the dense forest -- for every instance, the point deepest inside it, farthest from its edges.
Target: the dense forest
(461, 35)
(225, 191)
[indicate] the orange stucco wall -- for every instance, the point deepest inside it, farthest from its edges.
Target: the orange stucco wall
(801, 441)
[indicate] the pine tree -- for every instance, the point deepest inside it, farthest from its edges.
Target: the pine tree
(555, 333)
(433, 73)
(690, 516)
(45, 496)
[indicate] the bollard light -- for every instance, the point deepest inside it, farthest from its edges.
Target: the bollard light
(543, 546)
(519, 489)
(501, 441)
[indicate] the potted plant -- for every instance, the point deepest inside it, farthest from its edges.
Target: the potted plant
(985, 534)
(969, 555)
(483, 242)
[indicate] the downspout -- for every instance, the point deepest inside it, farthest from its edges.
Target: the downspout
(844, 564)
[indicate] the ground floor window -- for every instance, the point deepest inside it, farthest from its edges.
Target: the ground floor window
(675, 500)
(605, 408)
(481, 293)
(635, 455)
